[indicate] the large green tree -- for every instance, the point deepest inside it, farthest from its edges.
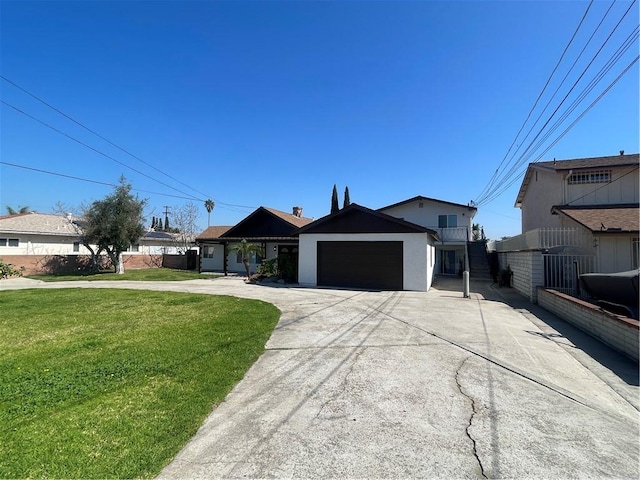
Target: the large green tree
(246, 249)
(115, 223)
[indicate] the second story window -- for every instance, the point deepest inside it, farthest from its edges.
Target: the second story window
(447, 221)
(599, 176)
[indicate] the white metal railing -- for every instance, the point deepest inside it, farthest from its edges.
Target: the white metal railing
(561, 272)
(542, 238)
(459, 234)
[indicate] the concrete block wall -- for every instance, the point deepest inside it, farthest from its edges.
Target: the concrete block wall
(620, 333)
(528, 271)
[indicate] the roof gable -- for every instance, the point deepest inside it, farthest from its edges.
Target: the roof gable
(611, 161)
(358, 219)
(266, 222)
(420, 198)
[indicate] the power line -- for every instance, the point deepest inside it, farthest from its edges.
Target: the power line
(72, 177)
(521, 160)
(98, 135)
(496, 194)
(191, 197)
(575, 84)
(535, 104)
(496, 187)
(231, 206)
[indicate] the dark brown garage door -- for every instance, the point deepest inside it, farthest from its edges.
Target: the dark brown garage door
(371, 265)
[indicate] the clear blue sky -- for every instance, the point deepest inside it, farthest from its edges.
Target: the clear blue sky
(272, 103)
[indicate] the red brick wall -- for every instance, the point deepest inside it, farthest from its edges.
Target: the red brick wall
(35, 264)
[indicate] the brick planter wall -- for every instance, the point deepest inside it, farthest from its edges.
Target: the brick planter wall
(35, 264)
(620, 333)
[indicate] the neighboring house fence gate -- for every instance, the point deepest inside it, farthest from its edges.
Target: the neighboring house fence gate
(561, 272)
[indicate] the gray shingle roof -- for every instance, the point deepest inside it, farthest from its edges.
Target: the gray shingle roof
(38, 223)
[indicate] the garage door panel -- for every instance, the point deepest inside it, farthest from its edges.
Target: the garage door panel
(375, 265)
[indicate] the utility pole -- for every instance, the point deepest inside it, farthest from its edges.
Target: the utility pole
(166, 217)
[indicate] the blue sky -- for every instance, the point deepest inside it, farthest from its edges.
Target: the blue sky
(272, 103)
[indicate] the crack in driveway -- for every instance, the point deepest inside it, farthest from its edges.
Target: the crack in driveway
(473, 414)
(343, 385)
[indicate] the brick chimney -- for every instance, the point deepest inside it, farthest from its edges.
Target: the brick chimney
(297, 211)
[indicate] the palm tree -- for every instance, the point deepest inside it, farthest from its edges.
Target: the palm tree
(245, 249)
(209, 204)
(11, 211)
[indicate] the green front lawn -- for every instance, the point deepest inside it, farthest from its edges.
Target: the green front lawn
(112, 383)
(142, 274)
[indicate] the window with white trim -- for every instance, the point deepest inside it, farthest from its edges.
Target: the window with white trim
(134, 248)
(11, 242)
(76, 246)
(596, 176)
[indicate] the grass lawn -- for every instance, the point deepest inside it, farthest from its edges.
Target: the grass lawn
(143, 274)
(112, 383)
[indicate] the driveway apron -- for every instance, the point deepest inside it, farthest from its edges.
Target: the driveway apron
(360, 384)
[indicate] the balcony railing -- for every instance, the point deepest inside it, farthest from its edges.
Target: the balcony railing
(459, 234)
(544, 238)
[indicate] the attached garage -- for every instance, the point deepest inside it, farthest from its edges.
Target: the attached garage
(371, 265)
(363, 249)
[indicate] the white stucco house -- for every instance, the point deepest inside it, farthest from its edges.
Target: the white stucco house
(361, 248)
(453, 222)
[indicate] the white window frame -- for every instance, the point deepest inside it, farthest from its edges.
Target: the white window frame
(7, 242)
(594, 176)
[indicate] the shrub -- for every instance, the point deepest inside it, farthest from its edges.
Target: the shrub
(8, 270)
(269, 268)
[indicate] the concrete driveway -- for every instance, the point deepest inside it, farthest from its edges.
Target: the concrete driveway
(411, 384)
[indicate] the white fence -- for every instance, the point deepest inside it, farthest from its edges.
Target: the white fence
(543, 238)
(561, 272)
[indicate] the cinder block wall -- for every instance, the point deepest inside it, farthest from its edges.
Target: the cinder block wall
(528, 271)
(620, 333)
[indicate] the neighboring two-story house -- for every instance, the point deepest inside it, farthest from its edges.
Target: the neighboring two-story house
(597, 197)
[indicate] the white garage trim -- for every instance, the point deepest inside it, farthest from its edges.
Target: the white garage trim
(418, 261)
